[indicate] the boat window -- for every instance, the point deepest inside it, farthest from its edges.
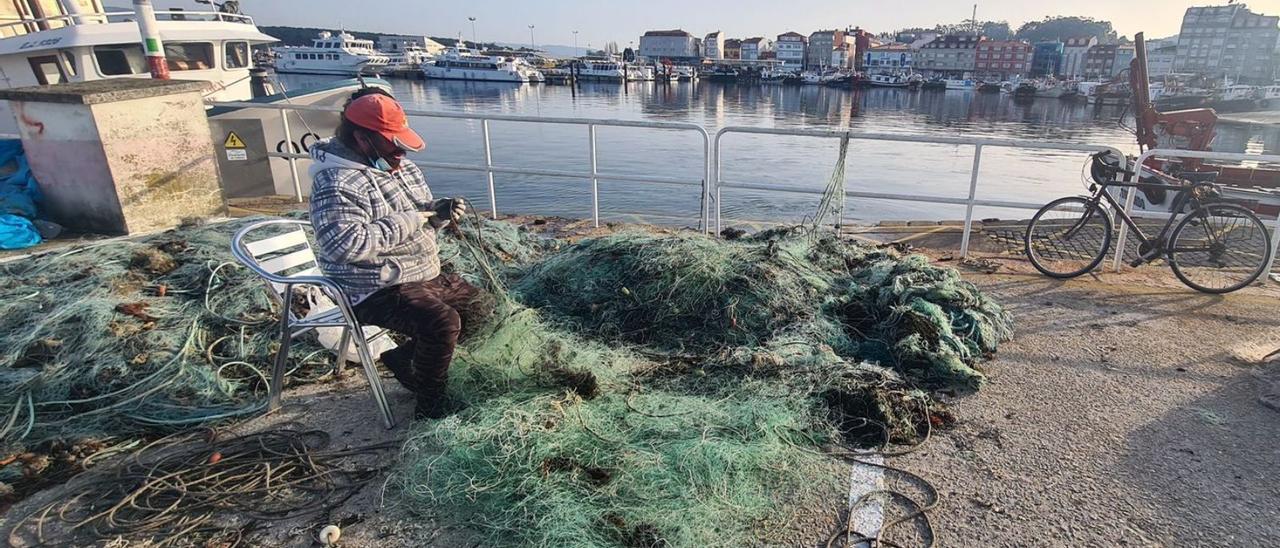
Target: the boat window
(189, 55)
(70, 58)
(47, 70)
(237, 55)
(120, 59)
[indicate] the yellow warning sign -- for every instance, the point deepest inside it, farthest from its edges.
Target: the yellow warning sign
(234, 141)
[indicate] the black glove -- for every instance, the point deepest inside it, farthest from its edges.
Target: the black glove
(450, 209)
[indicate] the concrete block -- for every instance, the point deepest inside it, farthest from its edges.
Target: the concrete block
(120, 156)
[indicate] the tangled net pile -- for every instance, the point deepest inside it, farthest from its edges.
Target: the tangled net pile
(637, 389)
(646, 389)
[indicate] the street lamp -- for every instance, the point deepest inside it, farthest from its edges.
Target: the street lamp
(575, 41)
(532, 45)
(473, 29)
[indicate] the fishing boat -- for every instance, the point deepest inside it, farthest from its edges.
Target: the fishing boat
(686, 73)
(339, 55)
(960, 84)
(934, 84)
(725, 75)
(990, 87)
(605, 70)
(889, 80)
(640, 73)
(409, 59)
(461, 63)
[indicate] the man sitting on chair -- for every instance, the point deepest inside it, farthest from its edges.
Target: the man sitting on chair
(375, 222)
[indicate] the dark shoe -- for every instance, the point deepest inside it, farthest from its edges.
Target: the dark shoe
(400, 362)
(437, 406)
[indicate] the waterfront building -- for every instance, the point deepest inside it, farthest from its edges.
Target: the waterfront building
(860, 42)
(1229, 41)
(790, 48)
(950, 56)
(842, 56)
(1161, 60)
(1099, 61)
(753, 49)
(1001, 60)
(922, 39)
(676, 45)
(1124, 56)
(398, 44)
(1046, 59)
(1074, 55)
(713, 46)
(732, 49)
(889, 59)
(821, 46)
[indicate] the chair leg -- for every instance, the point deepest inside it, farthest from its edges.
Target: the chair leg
(371, 373)
(282, 356)
(342, 351)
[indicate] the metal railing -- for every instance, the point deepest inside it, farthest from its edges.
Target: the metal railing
(595, 175)
(1197, 155)
(32, 25)
(970, 201)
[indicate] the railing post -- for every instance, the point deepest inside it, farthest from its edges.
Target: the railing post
(293, 162)
(595, 182)
(716, 179)
(968, 209)
(488, 166)
(1131, 193)
(1275, 248)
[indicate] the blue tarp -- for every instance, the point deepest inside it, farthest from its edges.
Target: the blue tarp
(17, 232)
(19, 198)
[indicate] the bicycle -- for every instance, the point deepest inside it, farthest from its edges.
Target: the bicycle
(1218, 247)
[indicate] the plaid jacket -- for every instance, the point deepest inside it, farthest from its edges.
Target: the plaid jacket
(368, 227)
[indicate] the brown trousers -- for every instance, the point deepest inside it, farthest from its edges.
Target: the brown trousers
(433, 315)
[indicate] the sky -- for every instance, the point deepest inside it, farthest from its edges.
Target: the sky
(600, 21)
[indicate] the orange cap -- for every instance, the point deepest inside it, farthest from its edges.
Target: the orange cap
(384, 115)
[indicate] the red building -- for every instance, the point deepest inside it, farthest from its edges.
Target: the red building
(1002, 59)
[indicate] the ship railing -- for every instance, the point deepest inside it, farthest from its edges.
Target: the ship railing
(1253, 159)
(970, 201)
(12, 28)
(490, 167)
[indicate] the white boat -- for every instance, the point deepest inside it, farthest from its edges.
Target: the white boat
(686, 73)
(461, 63)
(1051, 90)
(640, 73)
(889, 80)
(409, 59)
(608, 70)
(341, 55)
(961, 85)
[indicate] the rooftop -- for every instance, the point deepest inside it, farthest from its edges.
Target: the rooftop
(676, 32)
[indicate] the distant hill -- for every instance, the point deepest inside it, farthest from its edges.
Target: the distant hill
(302, 36)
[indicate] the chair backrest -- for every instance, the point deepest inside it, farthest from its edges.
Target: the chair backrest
(279, 257)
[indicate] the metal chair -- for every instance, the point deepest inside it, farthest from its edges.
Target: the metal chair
(285, 261)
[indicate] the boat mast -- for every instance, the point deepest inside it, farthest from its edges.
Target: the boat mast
(151, 42)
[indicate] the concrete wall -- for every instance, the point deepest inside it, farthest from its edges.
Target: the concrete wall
(120, 156)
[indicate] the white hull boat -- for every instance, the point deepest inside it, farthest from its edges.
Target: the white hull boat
(337, 55)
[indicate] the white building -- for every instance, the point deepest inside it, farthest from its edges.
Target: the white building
(840, 57)
(395, 44)
(713, 46)
(676, 45)
(1074, 55)
(889, 59)
(1160, 60)
(790, 48)
(754, 48)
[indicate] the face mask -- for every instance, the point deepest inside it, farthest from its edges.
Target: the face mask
(380, 163)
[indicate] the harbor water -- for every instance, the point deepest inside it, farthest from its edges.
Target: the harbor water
(1031, 175)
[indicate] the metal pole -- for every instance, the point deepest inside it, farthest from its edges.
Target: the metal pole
(293, 162)
(595, 183)
(488, 164)
(1275, 248)
(968, 210)
(151, 42)
(1130, 194)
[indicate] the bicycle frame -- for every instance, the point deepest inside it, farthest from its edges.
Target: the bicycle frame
(1184, 195)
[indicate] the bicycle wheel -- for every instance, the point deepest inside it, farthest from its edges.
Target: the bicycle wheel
(1068, 237)
(1219, 248)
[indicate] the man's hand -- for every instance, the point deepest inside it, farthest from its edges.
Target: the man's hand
(451, 209)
